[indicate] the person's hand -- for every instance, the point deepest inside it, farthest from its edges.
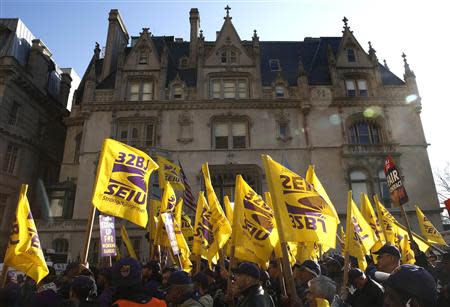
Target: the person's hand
(223, 273)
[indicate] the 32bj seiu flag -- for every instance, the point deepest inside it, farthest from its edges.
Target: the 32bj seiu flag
(395, 183)
(121, 187)
(107, 236)
(24, 251)
(169, 172)
(254, 233)
(305, 215)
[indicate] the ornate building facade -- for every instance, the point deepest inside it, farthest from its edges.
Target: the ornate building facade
(34, 93)
(322, 101)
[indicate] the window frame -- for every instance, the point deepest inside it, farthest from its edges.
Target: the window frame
(142, 124)
(366, 181)
(355, 134)
(140, 93)
(275, 62)
(14, 113)
(237, 92)
(357, 90)
(228, 56)
(351, 55)
(143, 57)
(11, 156)
(230, 136)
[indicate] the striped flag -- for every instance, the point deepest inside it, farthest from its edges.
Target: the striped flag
(188, 197)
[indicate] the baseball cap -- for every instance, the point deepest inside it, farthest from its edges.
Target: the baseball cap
(311, 267)
(201, 278)
(177, 278)
(389, 249)
(247, 268)
(413, 280)
(126, 272)
(354, 273)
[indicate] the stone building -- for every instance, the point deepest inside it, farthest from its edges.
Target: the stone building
(33, 97)
(324, 101)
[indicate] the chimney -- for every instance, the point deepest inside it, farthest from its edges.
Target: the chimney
(64, 88)
(116, 40)
(194, 19)
(40, 63)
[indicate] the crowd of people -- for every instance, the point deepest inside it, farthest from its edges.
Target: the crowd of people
(128, 283)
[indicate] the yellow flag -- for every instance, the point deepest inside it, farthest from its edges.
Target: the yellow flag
(402, 233)
(407, 253)
(155, 206)
(305, 215)
(254, 233)
(185, 252)
(307, 251)
(428, 230)
(321, 302)
(121, 186)
(169, 172)
(360, 236)
(312, 178)
(343, 240)
(128, 244)
(168, 202)
(203, 235)
(24, 251)
(369, 215)
(228, 209)
(220, 226)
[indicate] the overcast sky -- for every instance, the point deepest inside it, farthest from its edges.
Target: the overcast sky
(418, 28)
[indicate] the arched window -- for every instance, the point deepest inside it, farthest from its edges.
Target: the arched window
(359, 183)
(61, 246)
(365, 132)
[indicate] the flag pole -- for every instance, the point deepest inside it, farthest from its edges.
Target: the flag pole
(88, 235)
(282, 284)
(408, 226)
(347, 239)
(3, 275)
(287, 270)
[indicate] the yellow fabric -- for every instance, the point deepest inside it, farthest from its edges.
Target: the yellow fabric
(128, 244)
(312, 178)
(407, 253)
(221, 228)
(369, 215)
(121, 186)
(307, 251)
(321, 302)
(24, 251)
(228, 209)
(155, 206)
(187, 230)
(344, 240)
(168, 202)
(185, 252)
(254, 233)
(305, 215)
(402, 233)
(360, 236)
(169, 172)
(428, 230)
(203, 237)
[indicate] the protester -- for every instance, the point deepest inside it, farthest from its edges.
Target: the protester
(47, 292)
(247, 287)
(105, 289)
(201, 288)
(444, 281)
(410, 285)
(368, 292)
(321, 288)
(180, 290)
(129, 290)
(303, 273)
(152, 278)
(388, 258)
(81, 291)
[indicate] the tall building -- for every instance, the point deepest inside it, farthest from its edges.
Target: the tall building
(33, 97)
(324, 101)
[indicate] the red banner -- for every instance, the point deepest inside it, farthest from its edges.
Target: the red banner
(395, 184)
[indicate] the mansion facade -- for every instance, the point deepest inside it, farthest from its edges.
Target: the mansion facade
(226, 100)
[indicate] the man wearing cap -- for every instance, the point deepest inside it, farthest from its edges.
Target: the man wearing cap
(388, 258)
(201, 288)
(410, 285)
(247, 286)
(368, 292)
(81, 291)
(126, 277)
(180, 290)
(303, 273)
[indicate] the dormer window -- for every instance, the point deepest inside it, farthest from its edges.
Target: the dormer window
(140, 90)
(143, 57)
(228, 57)
(351, 55)
(274, 65)
(177, 92)
(356, 87)
(279, 91)
(184, 62)
(228, 88)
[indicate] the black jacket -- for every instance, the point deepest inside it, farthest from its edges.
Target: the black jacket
(371, 295)
(255, 296)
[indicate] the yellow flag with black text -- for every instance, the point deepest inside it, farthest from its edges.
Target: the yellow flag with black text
(203, 235)
(168, 203)
(154, 208)
(221, 228)
(305, 215)
(387, 221)
(254, 233)
(369, 215)
(128, 244)
(428, 230)
(360, 236)
(24, 252)
(169, 172)
(121, 186)
(407, 253)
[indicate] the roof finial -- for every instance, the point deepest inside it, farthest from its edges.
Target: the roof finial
(227, 8)
(201, 34)
(97, 50)
(385, 64)
(345, 20)
(408, 71)
(255, 35)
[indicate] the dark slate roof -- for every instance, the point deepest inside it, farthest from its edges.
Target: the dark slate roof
(312, 51)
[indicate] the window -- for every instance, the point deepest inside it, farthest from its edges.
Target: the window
(351, 55)
(183, 62)
(143, 57)
(274, 65)
(384, 189)
(76, 156)
(13, 117)
(57, 204)
(140, 90)
(230, 134)
(136, 245)
(283, 130)
(3, 200)
(177, 92)
(10, 158)
(279, 91)
(61, 246)
(136, 133)
(358, 183)
(356, 88)
(365, 132)
(229, 88)
(228, 57)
